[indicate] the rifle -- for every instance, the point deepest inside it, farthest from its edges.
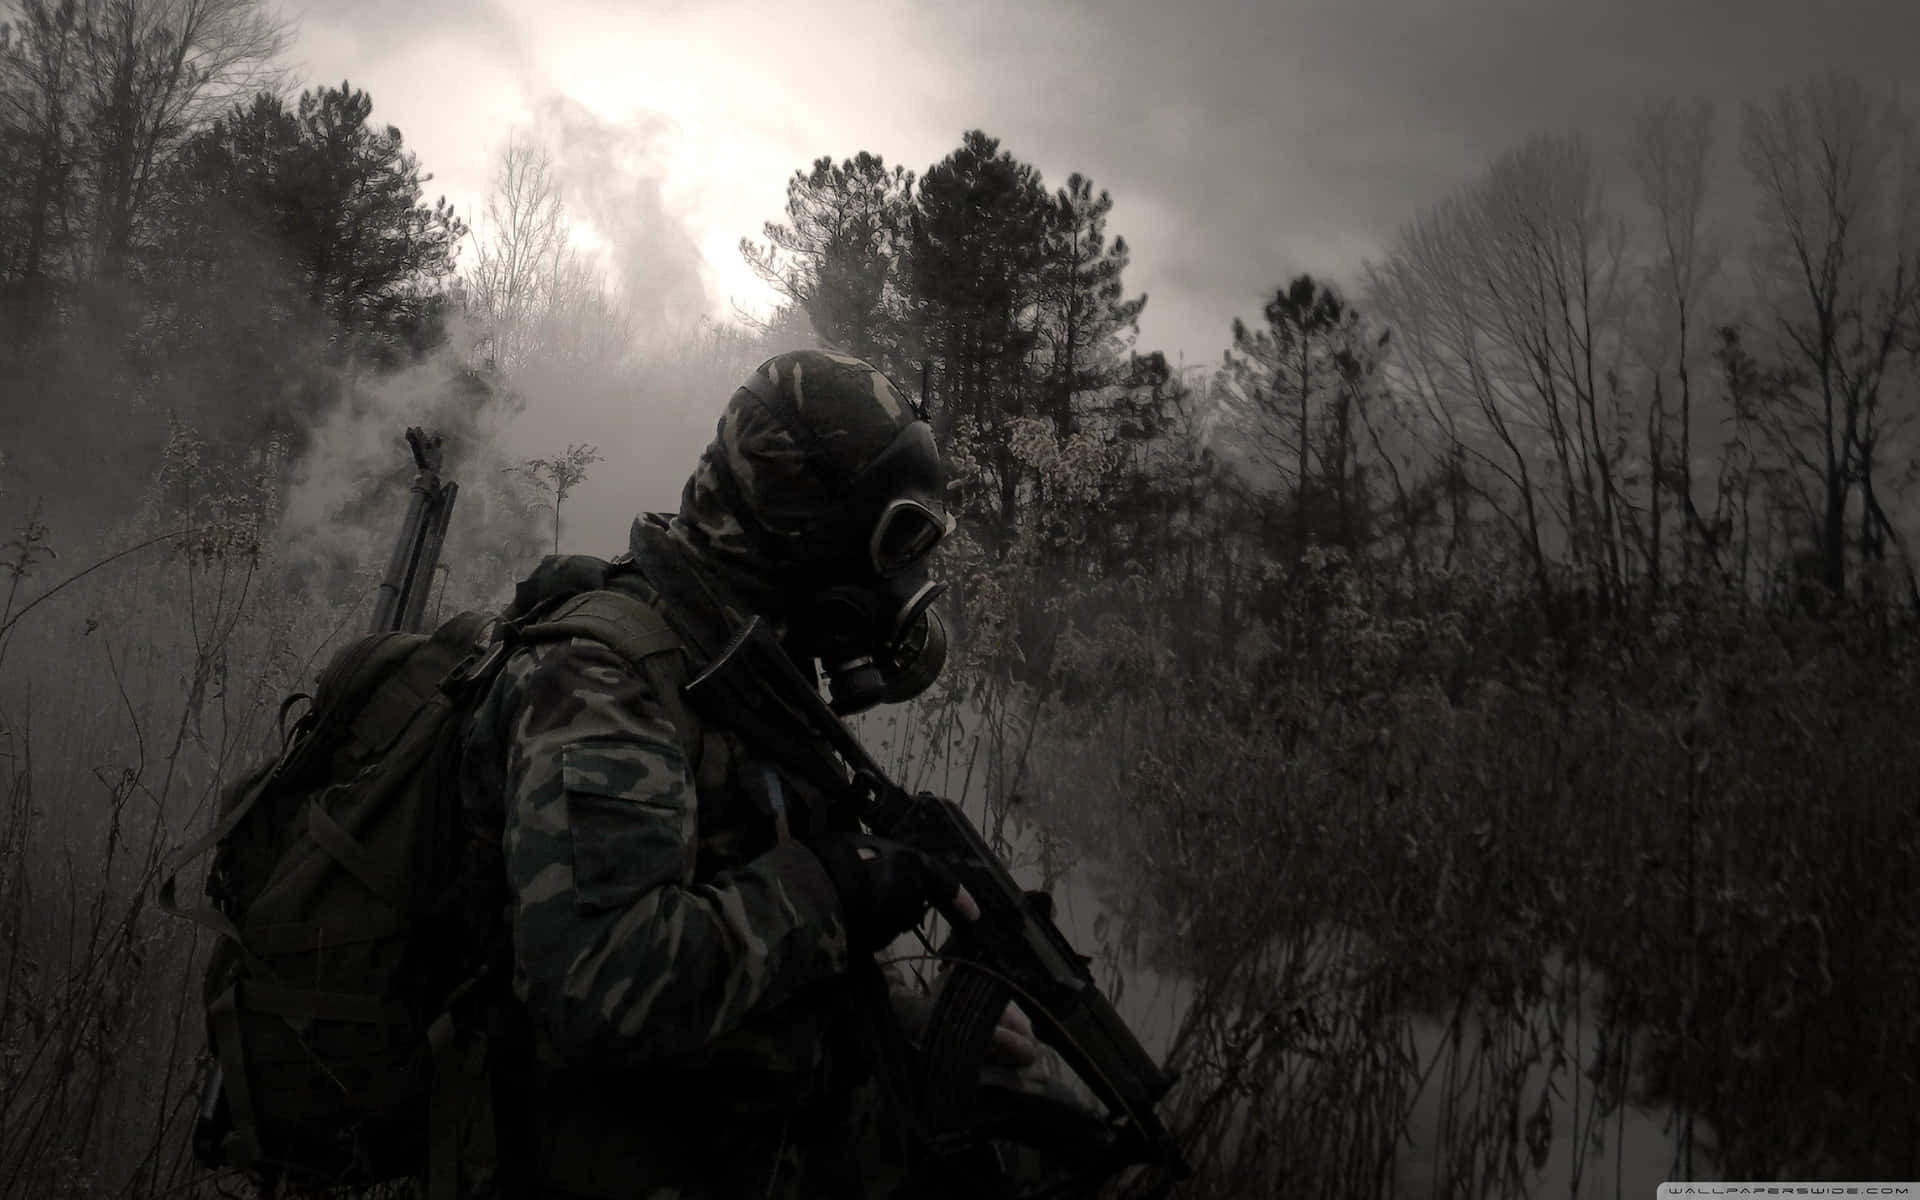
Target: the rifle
(402, 604)
(1013, 951)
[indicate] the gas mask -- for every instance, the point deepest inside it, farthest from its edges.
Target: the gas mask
(875, 632)
(853, 554)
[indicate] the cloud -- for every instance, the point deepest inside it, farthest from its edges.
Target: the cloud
(368, 32)
(1278, 133)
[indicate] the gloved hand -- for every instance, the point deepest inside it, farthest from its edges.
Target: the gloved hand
(885, 887)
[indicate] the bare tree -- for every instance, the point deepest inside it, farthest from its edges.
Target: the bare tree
(39, 73)
(154, 71)
(1506, 305)
(1838, 171)
(543, 305)
(1669, 151)
(584, 327)
(520, 256)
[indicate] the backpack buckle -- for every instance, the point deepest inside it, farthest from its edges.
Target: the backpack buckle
(481, 662)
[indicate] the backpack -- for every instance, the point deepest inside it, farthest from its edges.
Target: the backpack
(362, 955)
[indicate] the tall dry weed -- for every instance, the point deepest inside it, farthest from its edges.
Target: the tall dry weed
(132, 689)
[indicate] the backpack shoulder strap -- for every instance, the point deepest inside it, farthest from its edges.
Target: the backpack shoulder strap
(639, 633)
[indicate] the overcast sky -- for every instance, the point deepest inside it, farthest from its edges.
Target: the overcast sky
(1242, 142)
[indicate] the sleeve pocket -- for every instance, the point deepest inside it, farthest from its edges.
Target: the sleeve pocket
(630, 816)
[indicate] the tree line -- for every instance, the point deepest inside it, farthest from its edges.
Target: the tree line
(1568, 372)
(180, 239)
(1600, 380)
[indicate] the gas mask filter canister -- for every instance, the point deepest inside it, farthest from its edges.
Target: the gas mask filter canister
(879, 644)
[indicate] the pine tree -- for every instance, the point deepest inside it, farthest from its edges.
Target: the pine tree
(977, 275)
(1292, 391)
(1086, 323)
(838, 255)
(334, 202)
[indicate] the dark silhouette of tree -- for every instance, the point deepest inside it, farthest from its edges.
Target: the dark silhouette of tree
(1752, 480)
(1294, 391)
(40, 146)
(336, 204)
(154, 68)
(1838, 171)
(1669, 159)
(294, 244)
(976, 262)
(94, 98)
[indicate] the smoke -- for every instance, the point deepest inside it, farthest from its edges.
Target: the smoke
(641, 375)
(359, 441)
(612, 175)
(347, 493)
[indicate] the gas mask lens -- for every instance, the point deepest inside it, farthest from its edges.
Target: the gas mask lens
(906, 533)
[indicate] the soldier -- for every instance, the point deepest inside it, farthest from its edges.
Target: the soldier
(693, 917)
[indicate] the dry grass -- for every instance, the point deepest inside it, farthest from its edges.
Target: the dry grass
(1687, 846)
(131, 690)
(128, 698)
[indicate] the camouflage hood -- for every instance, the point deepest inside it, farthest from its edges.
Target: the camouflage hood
(769, 509)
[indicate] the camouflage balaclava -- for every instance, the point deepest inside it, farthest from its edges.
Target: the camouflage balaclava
(815, 455)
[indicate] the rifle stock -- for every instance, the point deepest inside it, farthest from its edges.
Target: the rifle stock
(1013, 951)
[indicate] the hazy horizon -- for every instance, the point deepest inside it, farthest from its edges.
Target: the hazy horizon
(1242, 142)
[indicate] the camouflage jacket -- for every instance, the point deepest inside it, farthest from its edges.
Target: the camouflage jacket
(682, 966)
